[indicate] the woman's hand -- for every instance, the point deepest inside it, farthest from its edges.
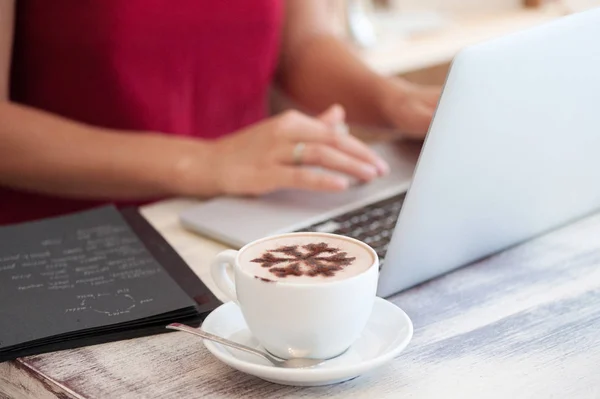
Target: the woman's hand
(408, 107)
(276, 154)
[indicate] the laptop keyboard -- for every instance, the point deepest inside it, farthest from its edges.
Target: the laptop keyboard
(372, 224)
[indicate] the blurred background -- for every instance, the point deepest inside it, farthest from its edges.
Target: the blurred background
(417, 39)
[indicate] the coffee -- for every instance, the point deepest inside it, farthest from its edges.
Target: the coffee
(301, 294)
(306, 259)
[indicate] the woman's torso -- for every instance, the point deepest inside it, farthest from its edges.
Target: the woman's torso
(197, 68)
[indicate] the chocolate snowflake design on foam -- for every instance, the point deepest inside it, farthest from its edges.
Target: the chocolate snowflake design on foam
(307, 260)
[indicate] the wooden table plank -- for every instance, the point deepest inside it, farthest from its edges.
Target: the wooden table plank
(524, 323)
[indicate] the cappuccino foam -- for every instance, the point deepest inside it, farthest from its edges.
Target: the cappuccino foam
(306, 259)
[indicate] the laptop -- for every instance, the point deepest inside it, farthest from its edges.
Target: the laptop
(513, 152)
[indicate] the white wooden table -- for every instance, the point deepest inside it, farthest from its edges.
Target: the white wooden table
(521, 324)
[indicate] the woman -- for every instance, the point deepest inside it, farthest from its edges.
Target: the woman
(131, 100)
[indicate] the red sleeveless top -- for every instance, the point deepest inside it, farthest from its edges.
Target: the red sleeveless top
(198, 68)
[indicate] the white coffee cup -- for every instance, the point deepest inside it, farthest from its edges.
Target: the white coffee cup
(314, 320)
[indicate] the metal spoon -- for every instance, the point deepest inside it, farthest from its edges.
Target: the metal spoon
(294, 363)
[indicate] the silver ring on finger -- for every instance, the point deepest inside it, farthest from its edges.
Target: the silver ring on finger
(298, 153)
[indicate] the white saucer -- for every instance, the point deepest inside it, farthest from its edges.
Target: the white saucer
(388, 332)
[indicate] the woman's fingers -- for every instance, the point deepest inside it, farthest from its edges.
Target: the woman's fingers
(357, 149)
(309, 130)
(431, 95)
(333, 116)
(316, 154)
(289, 177)
(420, 118)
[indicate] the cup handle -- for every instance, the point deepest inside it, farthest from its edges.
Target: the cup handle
(218, 269)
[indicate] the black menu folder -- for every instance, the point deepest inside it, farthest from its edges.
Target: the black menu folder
(88, 278)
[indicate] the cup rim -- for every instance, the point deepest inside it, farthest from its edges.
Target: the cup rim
(375, 262)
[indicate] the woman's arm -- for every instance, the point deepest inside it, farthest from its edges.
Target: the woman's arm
(45, 153)
(317, 69)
